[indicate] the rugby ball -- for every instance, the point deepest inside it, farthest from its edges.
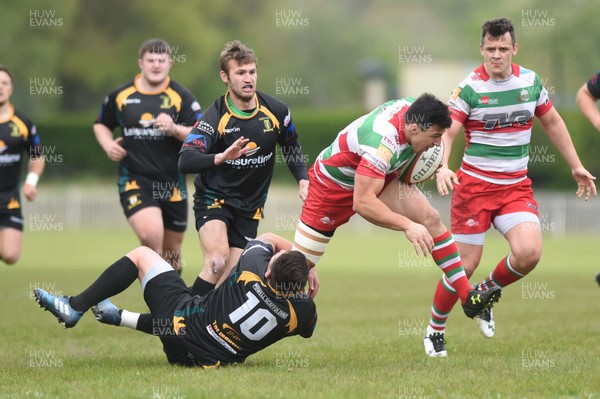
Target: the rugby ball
(422, 165)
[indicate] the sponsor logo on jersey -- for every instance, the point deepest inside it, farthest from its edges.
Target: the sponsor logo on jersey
(146, 120)
(485, 100)
(205, 127)
(386, 141)
(267, 124)
(166, 102)
(523, 96)
(231, 129)
(384, 153)
(247, 163)
(10, 158)
(132, 101)
(14, 130)
(145, 132)
(196, 140)
(252, 149)
(195, 106)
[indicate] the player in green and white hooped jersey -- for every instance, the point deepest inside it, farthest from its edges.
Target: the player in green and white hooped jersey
(495, 105)
(357, 174)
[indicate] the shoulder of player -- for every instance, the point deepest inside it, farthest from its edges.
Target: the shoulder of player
(24, 118)
(179, 88)
(272, 104)
(121, 88)
(528, 75)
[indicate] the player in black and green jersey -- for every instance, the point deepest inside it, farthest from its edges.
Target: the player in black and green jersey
(18, 135)
(232, 151)
(155, 115)
(262, 302)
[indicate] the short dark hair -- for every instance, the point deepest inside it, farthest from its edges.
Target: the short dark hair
(5, 69)
(498, 27)
(236, 50)
(426, 111)
(155, 46)
(289, 272)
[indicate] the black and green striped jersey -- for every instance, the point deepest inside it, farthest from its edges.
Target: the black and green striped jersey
(242, 183)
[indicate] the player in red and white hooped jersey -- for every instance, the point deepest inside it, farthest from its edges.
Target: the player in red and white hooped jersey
(496, 105)
(357, 174)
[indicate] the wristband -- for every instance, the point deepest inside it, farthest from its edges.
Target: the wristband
(32, 179)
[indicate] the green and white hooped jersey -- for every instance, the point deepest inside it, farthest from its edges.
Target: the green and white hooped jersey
(497, 117)
(374, 145)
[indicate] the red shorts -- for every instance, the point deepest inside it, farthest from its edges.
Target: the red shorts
(327, 205)
(475, 203)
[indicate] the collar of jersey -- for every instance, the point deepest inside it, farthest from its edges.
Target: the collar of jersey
(237, 112)
(139, 90)
(10, 114)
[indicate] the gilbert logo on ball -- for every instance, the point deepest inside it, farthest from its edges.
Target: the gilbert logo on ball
(422, 165)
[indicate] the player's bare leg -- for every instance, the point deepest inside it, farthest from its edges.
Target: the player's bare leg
(408, 200)
(147, 223)
(234, 256)
(171, 248)
(11, 242)
(215, 247)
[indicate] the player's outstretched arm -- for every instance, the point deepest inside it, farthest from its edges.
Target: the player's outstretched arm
(555, 128)
(587, 104)
(277, 242)
(166, 123)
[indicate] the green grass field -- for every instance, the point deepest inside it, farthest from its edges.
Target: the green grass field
(373, 307)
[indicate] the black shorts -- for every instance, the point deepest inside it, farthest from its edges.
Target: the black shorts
(11, 214)
(240, 228)
(164, 294)
(137, 194)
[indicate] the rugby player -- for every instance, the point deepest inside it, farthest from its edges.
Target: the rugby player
(496, 105)
(262, 302)
(155, 115)
(18, 136)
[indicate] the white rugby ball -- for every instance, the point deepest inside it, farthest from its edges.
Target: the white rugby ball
(422, 165)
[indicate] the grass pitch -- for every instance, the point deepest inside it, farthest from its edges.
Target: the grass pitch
(373, 308)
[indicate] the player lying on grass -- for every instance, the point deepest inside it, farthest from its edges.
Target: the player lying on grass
(261, 302)
(357, 173)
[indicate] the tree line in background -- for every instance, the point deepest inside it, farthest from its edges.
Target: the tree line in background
(67, 55)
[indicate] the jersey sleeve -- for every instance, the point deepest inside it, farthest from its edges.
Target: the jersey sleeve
(32, 143)
(307, 327)
(543, 103)
(593, 85)
(291, 148)
(255, 258)
(190, 109)
(376, 155)
(459, 104)
(204, 134)
(108, 112)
